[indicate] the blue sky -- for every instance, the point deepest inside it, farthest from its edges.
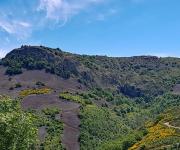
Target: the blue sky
(102, 27)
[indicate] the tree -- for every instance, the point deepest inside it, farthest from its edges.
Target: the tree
(17, 130)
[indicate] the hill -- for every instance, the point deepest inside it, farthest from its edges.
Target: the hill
(81, 102)
(143, 76)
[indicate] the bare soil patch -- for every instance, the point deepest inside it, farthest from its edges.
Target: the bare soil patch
(176, 89)
(29, 78)
(42, 133)
(6, 83)
(70, 110)
(69, 116)
(170, 126)
(71, 128)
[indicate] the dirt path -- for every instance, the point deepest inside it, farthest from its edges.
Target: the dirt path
(170, 126)
(69, 116)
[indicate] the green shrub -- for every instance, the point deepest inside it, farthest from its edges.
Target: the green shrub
(99, 125)
(17, 130)
(18, 85)
(39, 83)
(13, 71)
(75, 98)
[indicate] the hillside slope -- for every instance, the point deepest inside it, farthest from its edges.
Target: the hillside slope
(144, 76)
(80, 102)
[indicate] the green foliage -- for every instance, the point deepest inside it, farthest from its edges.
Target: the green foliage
(39, 58)
(51, 112)
(164, 102)
(18, 85)
(99, 125)
(136, 76)
(134, 91)
(124, 142)
(99, 94)
(54, 128)
(95, 123)
(161, 133)
(13, 70)
(75, 98)
(17, 130)
(38, 83)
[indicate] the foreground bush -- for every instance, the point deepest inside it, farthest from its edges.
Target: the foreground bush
(17, 131)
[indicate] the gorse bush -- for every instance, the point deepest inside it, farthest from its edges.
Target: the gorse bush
(28, 92)
(157, 136)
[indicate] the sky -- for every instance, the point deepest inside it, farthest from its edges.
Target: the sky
(95, 27)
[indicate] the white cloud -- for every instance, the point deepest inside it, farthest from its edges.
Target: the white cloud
(24, 24)
(2, 53)
(108, 13)
(56, 11)
(17, 25)
(18, 28)
(62, 10)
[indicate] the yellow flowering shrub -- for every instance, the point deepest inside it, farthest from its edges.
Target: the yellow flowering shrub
(28, 92)
(155, 133)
